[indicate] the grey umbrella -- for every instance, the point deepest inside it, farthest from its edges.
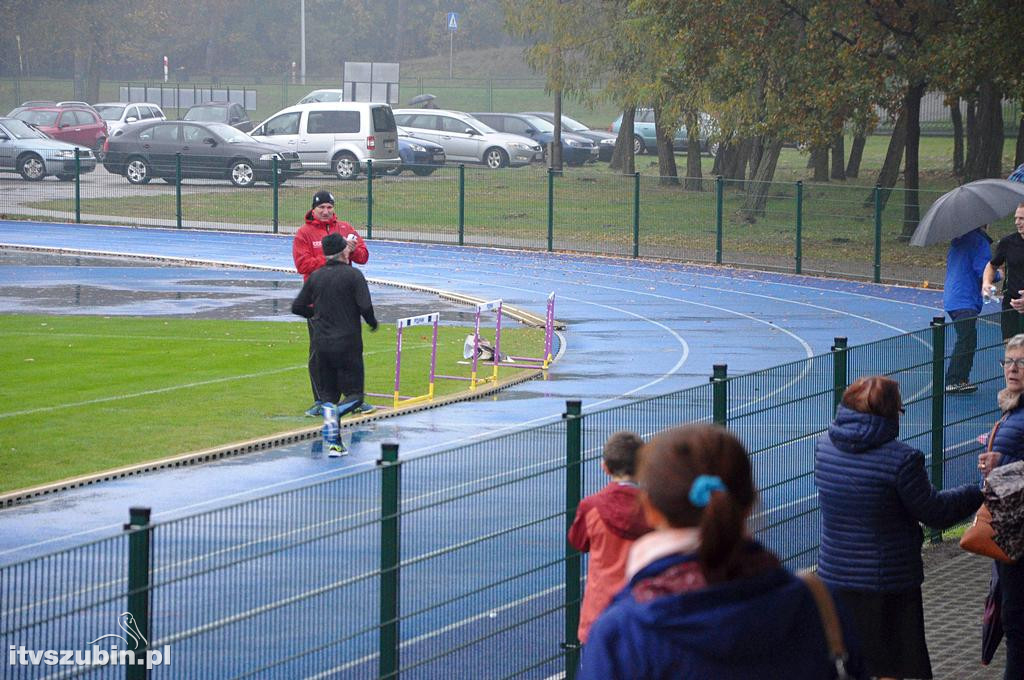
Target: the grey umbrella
(967, 207)
(421, 99)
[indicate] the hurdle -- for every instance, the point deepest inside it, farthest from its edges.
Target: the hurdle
(549, 330)
(400, 325)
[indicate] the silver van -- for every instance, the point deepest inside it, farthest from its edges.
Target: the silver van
(467, 139)
(336, 137)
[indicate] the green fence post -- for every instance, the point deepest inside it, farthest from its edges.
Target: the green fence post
(636, 214)
(720, 394)
(799, 226)
(138, 584)
(551, 209)
(462, 204)
(719, 200)
(840, 375)
(390, 554)
(78, 186)
(369, 198)
(276, 187)
(177, 187)
(938, 409)
(878, 234)
(573, 493)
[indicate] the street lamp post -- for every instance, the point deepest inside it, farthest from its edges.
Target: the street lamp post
(302, 41)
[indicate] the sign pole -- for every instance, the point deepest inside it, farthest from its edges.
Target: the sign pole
(451, 52)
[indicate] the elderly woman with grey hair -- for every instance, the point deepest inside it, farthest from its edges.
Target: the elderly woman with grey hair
(1007, 446)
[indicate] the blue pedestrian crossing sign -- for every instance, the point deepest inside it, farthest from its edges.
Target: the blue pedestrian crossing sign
(453, 21)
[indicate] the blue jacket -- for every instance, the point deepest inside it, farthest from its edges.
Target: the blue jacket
(873, 492)
(765, 627)
(1009, 438)
(965, 265)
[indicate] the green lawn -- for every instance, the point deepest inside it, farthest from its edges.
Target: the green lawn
(86, 394)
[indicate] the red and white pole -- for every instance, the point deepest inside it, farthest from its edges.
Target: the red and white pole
(165, 68)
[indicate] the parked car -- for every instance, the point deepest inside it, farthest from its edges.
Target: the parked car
(645, 140)
(73, 125)
(232, 113)
(467, 139)
(317, 96)
(421, 156)
(26, 150)
(119, 114)
(576, 150)
(338, 137)
(208, 151)
(604, 140)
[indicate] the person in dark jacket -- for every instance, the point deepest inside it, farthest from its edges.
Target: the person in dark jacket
(334, 297)
(1009, 256)
(703, 599)
(874, 493)
(962, 300)
(606, 525)
(1008, 447)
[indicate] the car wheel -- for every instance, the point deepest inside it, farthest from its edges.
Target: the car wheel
(243, 174)
(137, 170)
(423, 172)
(31, 167)
(496, 158)
(638, 145)
(713, 149)
(345, 166)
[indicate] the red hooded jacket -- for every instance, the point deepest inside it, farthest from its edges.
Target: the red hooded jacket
(307, 251)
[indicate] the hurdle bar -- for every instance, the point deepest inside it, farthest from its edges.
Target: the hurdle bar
(549, 332)
(401, 325)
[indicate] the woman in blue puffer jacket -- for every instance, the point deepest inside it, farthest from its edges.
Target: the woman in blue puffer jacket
(874, 494)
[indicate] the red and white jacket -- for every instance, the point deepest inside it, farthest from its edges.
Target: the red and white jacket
(307, 252)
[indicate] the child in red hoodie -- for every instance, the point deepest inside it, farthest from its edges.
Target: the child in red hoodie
(606, 525)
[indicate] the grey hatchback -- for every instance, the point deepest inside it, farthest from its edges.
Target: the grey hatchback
(31, 153)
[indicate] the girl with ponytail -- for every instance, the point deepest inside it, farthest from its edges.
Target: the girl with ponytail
(702, 598)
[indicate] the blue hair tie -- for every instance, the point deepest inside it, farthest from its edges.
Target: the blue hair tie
(700, 491)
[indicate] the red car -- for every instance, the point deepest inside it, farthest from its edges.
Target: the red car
(68, 124)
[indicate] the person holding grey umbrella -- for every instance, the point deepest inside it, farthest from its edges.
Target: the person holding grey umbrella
(1009, 252)
(962, 299)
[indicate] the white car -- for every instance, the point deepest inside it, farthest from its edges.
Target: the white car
(468, 140)
(119, 114)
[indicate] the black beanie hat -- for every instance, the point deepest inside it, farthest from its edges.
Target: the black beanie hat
(323, 196)
(332, 244)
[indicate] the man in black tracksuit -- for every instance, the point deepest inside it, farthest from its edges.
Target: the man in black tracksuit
(333, 298)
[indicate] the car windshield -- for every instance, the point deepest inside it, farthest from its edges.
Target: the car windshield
(21, 130)
(110, 112)
(480, 126)
(38, 117)
(539, 124)
(573, 125)
(216, 114)
(229, 134)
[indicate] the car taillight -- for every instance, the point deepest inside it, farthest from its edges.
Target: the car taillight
(106, 145)
(371, 143)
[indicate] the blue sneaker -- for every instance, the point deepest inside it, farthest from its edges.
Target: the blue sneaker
(315, 411)
(364, 408)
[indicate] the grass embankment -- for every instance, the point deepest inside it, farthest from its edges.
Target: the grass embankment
(87, 394)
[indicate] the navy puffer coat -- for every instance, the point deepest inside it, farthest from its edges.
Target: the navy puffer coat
(874, 492)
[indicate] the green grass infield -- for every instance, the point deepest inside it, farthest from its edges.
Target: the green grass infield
(86, 394)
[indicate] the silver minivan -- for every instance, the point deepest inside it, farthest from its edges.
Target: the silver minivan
(336, 137)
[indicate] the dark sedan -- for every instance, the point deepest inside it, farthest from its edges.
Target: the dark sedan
(232, 113)
(421, 156)
(576, 150)
(208, 151)
(604, 140)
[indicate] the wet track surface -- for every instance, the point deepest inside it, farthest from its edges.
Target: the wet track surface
(635, 329)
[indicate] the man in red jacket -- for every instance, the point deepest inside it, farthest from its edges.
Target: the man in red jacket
(308, 254)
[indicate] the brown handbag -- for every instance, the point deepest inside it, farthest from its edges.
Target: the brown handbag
(978, 538)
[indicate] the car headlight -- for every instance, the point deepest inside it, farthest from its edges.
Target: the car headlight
(519, 147)
(270, 157)
(418, 147)
(64, 153)
(572, 142)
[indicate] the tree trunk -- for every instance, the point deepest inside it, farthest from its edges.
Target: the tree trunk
(757, 193)
(856, 154)
(694, 175)
(973, 141)
(743, 158)
(991, 119)
(958, 138)
(556, 146)
(725, 154)
(890, 171)
(622, 155)
(668, 174)
(819, 161)
(839, 157)
(754, 157)
(1018, 156)
(911, 174)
